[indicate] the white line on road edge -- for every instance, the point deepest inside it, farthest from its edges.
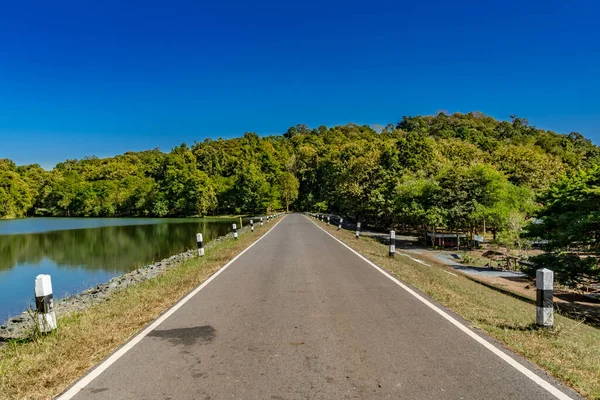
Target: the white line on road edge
(509, 360)
(87, 379)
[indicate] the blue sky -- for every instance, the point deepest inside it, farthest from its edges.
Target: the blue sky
(100, 78)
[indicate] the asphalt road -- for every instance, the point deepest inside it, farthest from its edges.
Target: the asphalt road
(299, 316)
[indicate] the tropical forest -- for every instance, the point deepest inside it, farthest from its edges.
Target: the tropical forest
(453, 172)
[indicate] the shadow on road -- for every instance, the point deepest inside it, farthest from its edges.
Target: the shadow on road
(186, 336)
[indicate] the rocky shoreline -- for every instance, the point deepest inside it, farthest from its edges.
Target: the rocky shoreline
(21, 326)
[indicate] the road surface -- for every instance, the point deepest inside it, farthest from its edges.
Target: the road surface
(300, 316)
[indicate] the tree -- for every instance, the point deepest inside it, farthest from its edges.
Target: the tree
(570, 225)
(289, 188)
(251, 190)
(459, 171)
(511, 237)
(528, 166)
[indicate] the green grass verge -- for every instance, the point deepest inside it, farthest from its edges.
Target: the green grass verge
(44, 366)
(570, 352)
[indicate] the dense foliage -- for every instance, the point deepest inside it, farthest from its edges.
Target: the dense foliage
(465, 172)
(570, 224)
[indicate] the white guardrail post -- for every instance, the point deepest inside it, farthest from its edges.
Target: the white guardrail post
(200, 243)
(544, 283)
(44, 304)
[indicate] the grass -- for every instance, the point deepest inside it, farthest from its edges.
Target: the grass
(570, 352)
(44, 366)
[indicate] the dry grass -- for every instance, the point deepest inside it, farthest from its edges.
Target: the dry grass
(43, 367)
(571, 352)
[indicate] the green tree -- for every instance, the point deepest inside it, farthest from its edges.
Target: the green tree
(570, 223)
(289, 188)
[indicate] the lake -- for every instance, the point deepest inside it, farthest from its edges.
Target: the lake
(82, 252)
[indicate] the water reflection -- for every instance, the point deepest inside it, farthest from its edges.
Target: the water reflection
(81, 258)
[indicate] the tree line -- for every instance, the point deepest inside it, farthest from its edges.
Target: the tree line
(459, 172)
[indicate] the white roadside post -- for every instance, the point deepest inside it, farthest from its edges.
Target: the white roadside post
(340, 224)
(327, 221)
(392, 243)
(544, 312)
(252, 225)
(357, 229)
(261, 221)
(44, 304)
(200, 243)
(235, 231)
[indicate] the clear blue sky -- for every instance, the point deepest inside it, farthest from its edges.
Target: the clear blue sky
(100, 78)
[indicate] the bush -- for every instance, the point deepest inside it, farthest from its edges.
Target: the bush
(569, 269)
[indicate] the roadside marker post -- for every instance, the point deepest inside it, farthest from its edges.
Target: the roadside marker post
(235, 235)
(200, 243)
(327, 221)
(357, 230)
(261, 221)
(340, 224)
(44, 304)
(544, 312)
(392, 243)
(252, 225)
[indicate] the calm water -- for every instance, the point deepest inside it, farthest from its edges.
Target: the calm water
(81, 252)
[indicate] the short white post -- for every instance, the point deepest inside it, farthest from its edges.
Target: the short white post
(340, 224)
(200, 243)
(44, 304)
(357, 229)
(235, 231)
(252, 225)
(327, 221)
(261, 221)
(392, 243)
(544, 312)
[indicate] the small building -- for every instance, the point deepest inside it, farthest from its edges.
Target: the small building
(447, 239)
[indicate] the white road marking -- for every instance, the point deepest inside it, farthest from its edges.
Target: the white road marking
(415, 259)
(508, 359)
(87, 379)
(448, 272)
